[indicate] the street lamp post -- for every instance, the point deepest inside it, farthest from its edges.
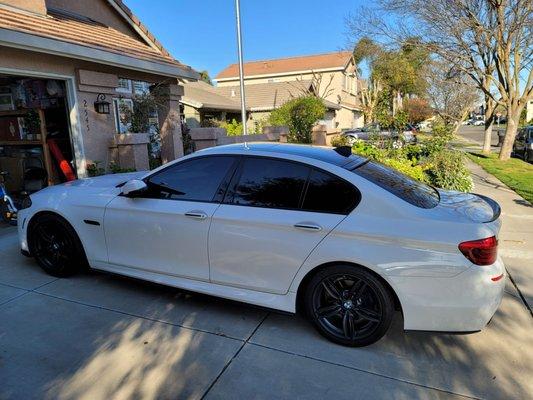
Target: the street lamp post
(241, 68)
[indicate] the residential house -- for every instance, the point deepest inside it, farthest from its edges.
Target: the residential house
(333, 77)
(529, 111)
(263, 98)
(202, 102)
(65, 69)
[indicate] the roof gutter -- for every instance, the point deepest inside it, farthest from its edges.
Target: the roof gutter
(26, 41)
(350, 107)
(300, 72)
(198, 105)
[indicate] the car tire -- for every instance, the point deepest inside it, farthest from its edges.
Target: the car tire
(349, 305)
(526, 155)
(56, 246)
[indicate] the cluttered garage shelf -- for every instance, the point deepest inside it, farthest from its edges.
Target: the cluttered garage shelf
(35, 145)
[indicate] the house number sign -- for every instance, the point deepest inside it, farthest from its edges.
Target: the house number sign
(86, 115)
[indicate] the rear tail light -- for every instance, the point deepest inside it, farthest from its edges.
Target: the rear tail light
(482, 251)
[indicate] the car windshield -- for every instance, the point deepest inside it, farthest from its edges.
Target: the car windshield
(370, 128)
(400, 185)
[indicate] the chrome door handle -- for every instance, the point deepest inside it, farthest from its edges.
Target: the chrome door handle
(196, 214)
(308, 226)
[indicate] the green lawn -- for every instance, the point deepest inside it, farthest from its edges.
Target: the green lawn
(515, 173)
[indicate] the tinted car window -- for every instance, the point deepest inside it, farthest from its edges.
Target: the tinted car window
(329, 194)
(196, 180)
(270, 183)
(410, 190)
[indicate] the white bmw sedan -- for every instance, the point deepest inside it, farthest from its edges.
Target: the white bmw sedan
(345, 240)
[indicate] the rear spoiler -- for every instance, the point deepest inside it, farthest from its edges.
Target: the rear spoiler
(496, 209)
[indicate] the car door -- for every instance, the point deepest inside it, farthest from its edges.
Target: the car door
(274, 214)
(528, 141)
(519, 145)
(164, 229)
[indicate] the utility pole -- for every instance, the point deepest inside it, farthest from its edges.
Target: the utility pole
(241, 68)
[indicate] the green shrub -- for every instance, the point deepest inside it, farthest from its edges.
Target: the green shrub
(117, 169)
(235, 128)
(94, 170)
(367, 149)
(406, 166)
(340, 141)
(232, 128)
(428, 161)
(447, 170)
(299, 115)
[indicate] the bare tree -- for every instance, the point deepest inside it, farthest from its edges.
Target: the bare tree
(450, 92)
(489, 40)
(319, 87)
(369, 96)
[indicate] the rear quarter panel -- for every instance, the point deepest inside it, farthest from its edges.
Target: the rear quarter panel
(394, 238)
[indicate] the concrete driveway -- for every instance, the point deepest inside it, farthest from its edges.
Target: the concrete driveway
(96, 336)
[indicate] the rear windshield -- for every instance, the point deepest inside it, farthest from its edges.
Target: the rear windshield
(400, 185)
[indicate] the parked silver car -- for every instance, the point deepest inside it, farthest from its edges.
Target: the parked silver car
(374, 131)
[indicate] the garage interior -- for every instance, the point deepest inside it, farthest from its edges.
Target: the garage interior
(35, 138)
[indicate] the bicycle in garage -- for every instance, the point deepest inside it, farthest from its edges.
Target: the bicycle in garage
(8, 210)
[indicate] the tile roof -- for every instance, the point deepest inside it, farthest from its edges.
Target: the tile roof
(290, 64)
(202, 95)
(68, 28)
(140, 25)
(268, 96)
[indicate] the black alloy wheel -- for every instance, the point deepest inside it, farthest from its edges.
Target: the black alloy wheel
(56, 246)
(349, 305)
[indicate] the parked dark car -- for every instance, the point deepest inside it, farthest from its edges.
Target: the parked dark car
(523, 144)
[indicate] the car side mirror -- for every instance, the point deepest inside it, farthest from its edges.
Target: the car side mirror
(133, 187)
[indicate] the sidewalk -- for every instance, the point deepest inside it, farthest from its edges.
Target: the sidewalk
(516, 235)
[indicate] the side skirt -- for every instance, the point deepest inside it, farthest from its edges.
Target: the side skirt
(285, 302)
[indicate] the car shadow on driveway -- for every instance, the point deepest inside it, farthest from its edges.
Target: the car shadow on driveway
(101, 336)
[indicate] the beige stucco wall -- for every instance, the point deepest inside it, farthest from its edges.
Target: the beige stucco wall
(267, 79)
(347, 119)
(191, 116)
(93, 131)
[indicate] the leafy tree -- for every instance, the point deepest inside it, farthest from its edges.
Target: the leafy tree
(399, 71)
(299, 115)
(418, 110)
(204, 76)
(491, 41)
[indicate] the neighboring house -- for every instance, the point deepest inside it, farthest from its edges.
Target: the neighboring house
(333, 77)
(64, 60)
(262, 98)
(202, 102)
(529, 111)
